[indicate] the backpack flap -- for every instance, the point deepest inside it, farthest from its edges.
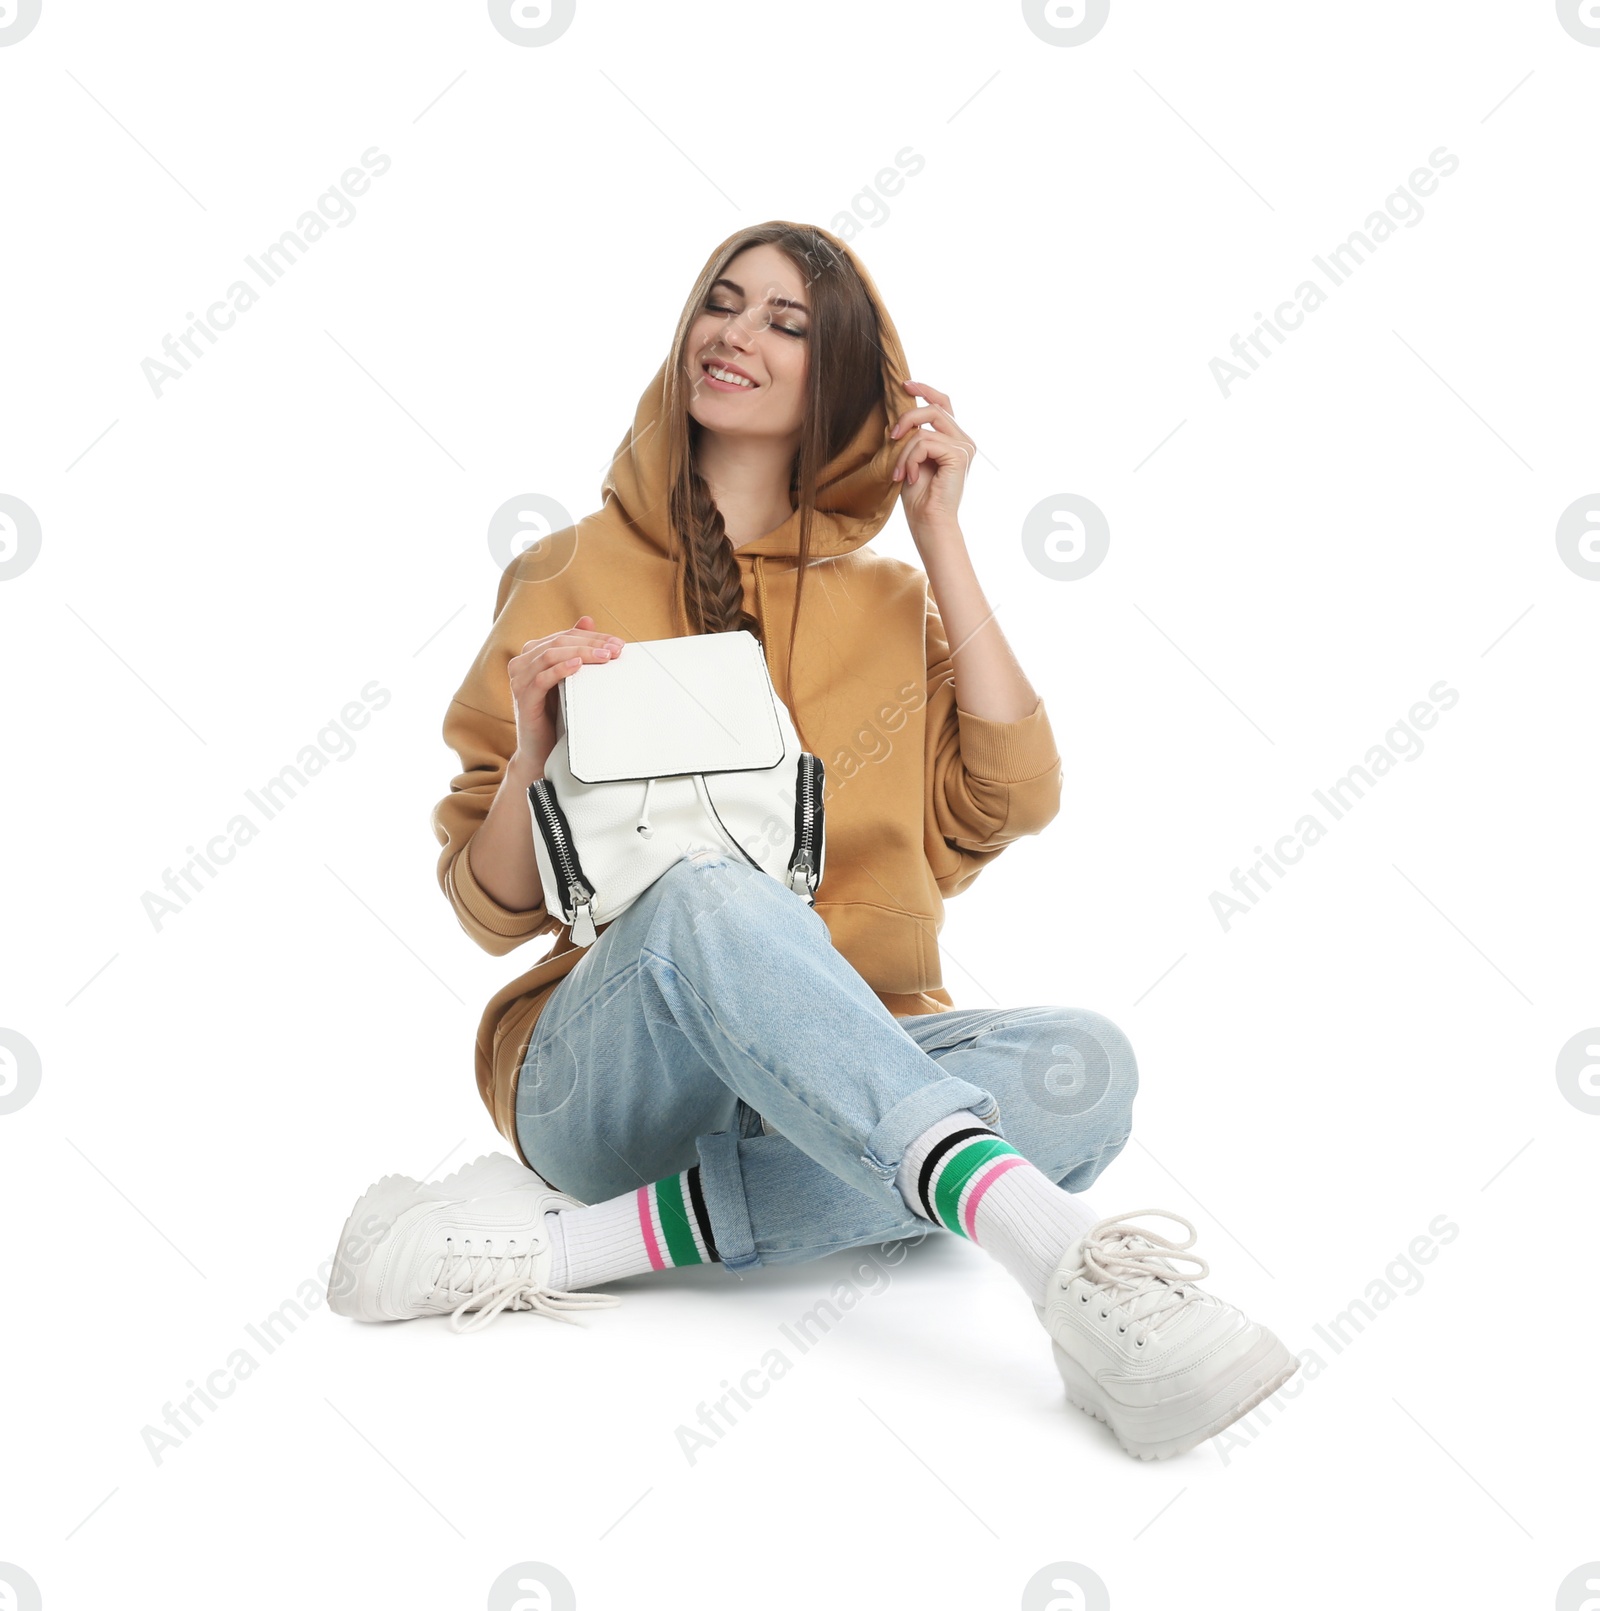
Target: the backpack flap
(666, 707)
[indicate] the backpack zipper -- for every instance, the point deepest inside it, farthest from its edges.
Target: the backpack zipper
(808, 824)
(577, 897)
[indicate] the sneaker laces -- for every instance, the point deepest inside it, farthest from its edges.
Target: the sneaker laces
(1116, 1256)
(493, 1283)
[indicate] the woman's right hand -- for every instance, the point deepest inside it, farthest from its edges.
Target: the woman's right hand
(534, 673)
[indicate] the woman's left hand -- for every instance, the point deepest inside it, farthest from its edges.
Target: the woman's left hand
(933, 465)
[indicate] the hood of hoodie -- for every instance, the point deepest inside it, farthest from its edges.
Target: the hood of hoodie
(856, 492)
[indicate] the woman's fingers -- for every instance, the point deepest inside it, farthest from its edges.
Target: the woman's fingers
(936, 417)
(551, 674)
(935, 412)
(921, 389)
(540, 687)
(915, 453)
(608, 637)
(925, 449)
(548, 660)
(564, 655)
(927, 444)
(571, 636)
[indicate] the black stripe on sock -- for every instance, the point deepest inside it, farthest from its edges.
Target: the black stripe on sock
(940, 1148)
(701, 1217)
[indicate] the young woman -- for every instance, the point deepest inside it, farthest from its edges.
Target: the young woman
(727, 1074)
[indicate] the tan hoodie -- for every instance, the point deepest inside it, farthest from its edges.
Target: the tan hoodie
(918, 797)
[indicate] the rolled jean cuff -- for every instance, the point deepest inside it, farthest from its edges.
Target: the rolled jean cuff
(913, 1114)
(722, 1181)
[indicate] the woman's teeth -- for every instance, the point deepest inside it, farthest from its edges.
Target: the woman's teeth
(727, 376)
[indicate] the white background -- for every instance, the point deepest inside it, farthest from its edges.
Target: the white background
(223, 568)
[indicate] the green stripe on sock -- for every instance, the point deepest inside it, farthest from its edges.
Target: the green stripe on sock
(958, 1169)
(675, 1221)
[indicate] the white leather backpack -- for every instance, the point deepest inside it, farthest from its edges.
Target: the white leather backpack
(676, 745)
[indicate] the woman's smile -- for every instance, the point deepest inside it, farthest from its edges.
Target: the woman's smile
(726, 378)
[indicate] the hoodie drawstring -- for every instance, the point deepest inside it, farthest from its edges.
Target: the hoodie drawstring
(761, 612)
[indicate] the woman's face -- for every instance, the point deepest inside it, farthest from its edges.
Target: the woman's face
(747, 353)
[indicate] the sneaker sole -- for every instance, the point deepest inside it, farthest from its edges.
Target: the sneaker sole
(388, 1199)
(1142, 1434)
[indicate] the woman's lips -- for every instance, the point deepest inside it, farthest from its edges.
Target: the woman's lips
(723, 385)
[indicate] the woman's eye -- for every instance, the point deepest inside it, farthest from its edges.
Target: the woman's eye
(788, 330)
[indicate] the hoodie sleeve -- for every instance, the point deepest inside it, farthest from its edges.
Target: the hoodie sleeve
(988, 782)
(481, 728)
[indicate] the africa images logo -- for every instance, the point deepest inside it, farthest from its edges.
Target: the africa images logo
(18, 19)
(1066, 22)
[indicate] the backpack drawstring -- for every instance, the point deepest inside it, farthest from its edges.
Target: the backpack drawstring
(643, 824)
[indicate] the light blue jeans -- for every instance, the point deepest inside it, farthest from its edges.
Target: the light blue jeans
(718, 1000)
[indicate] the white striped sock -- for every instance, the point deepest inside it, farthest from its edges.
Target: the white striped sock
(609, 1240)
(596, 1244)
(1023, 1218)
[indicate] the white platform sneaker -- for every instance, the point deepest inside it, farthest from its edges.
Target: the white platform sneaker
(473, 1244)
(493, 1172)
(1142, 1348)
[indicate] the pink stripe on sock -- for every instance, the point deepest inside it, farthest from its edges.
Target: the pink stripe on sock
(651, 1246)
(985, 1181)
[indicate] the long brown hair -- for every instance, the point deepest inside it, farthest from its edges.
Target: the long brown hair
(844, 382)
